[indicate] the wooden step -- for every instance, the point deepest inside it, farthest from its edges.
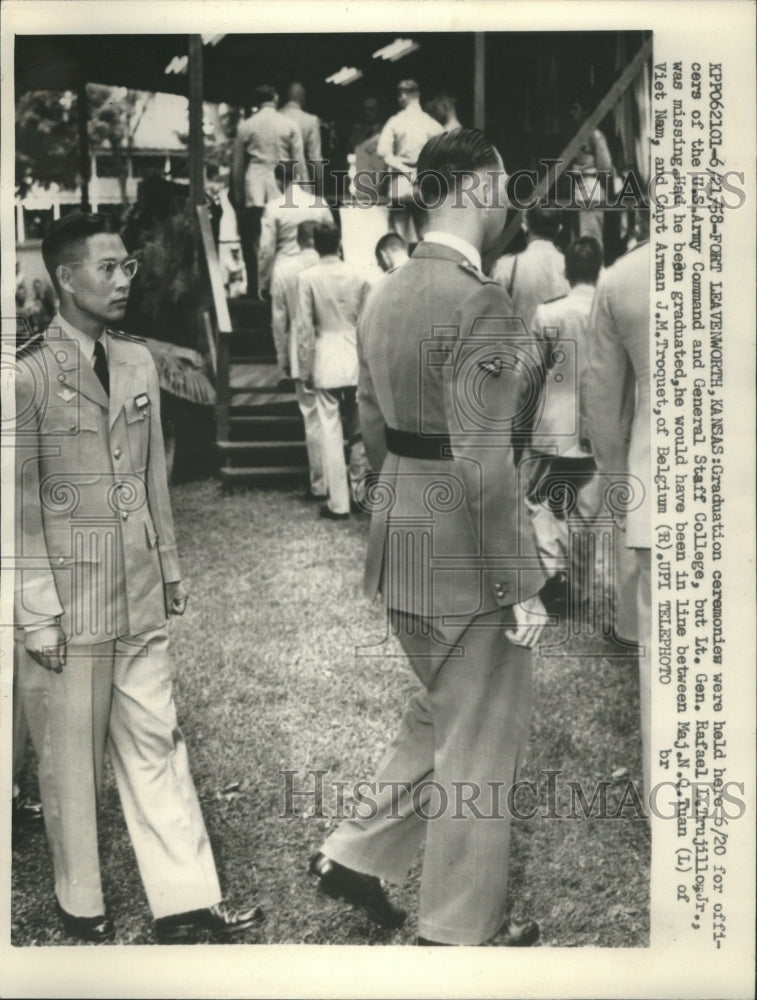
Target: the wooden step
(280, 407)
(274, 427)
(265, 454)
(277, 475)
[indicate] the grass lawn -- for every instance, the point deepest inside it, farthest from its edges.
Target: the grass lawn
(267, 680)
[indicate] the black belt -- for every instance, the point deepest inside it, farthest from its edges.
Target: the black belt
(408, 444)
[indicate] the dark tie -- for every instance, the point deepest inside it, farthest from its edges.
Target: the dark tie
(101, 367)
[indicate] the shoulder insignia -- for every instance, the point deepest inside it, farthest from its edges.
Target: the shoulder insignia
(555, 299)
(126, 336)
(474, 271)
(32, 344)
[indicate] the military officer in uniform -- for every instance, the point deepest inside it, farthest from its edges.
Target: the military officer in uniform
(446, 378)
(97, 576)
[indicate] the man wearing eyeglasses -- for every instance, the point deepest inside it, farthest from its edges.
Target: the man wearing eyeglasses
(97, 577)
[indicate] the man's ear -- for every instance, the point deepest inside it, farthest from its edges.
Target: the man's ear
(63, 274)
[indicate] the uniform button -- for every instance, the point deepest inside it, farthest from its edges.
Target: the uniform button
(61, 559)
(125, 515)
(61, 377)
(117, 453)
(72, 427)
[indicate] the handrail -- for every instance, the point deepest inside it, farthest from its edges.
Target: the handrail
(220, 305)
(222, 323)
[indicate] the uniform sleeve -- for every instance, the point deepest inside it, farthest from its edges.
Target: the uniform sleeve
(280, 321)
(607, 388)
(158, 498)
(297, 152)
(372, 424)
(313, 152)
(385, 148)
(36, 596)
(266, 247)
(305, 328)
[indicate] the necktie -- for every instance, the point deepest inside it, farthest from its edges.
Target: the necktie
(101, 367)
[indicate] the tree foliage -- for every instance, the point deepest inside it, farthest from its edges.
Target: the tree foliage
(47, 136)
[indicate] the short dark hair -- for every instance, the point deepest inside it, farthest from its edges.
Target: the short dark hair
(305, 232)
(326, 238)
(64, 239)
(446, 157)
(409, 86)
(387, 241)
(264, 92)
(583, 261)
(544, 220)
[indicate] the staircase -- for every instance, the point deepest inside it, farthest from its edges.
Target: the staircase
(261, 440)
(259, 433)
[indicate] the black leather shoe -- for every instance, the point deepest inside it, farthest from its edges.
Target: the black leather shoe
(363, 891)
(510, 935)
(93, 929)
(218, 919)
(332, 515)
(26, 812)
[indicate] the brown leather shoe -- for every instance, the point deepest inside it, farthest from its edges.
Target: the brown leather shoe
(510, 935)
(217, 919)
(363, 891)
(96, 930)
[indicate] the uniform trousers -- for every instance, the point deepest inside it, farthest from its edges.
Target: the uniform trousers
(459, 742)
(20, 732)
(121, 690)
(249, 224)
(307, 403)
(562, 500)
(337, 413)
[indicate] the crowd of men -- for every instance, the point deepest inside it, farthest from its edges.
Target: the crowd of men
(556, 348)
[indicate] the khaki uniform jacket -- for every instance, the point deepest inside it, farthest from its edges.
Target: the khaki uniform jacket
(532, 277)
(278, 233)
(262, 142)
(615, 384)
(284, 306)
(95, 539)
(310, 129)
(330, 296)
(561, 327)
(441, 354)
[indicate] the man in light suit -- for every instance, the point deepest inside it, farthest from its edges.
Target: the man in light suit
(615, 389)
(330, 297)
(284, 307)
(97, 576)
(263, 142)
(562, 492)
(538, 273)
(278, 236)
(310, 128)
(445, 381)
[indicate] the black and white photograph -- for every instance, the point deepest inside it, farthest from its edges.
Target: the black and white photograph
(363, 438)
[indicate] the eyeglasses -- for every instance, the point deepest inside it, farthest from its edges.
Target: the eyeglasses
(108, 267)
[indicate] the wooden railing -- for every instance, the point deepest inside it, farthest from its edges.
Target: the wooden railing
(218, 327)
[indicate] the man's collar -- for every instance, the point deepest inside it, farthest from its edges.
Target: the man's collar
(456, 243)
(85, 342)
